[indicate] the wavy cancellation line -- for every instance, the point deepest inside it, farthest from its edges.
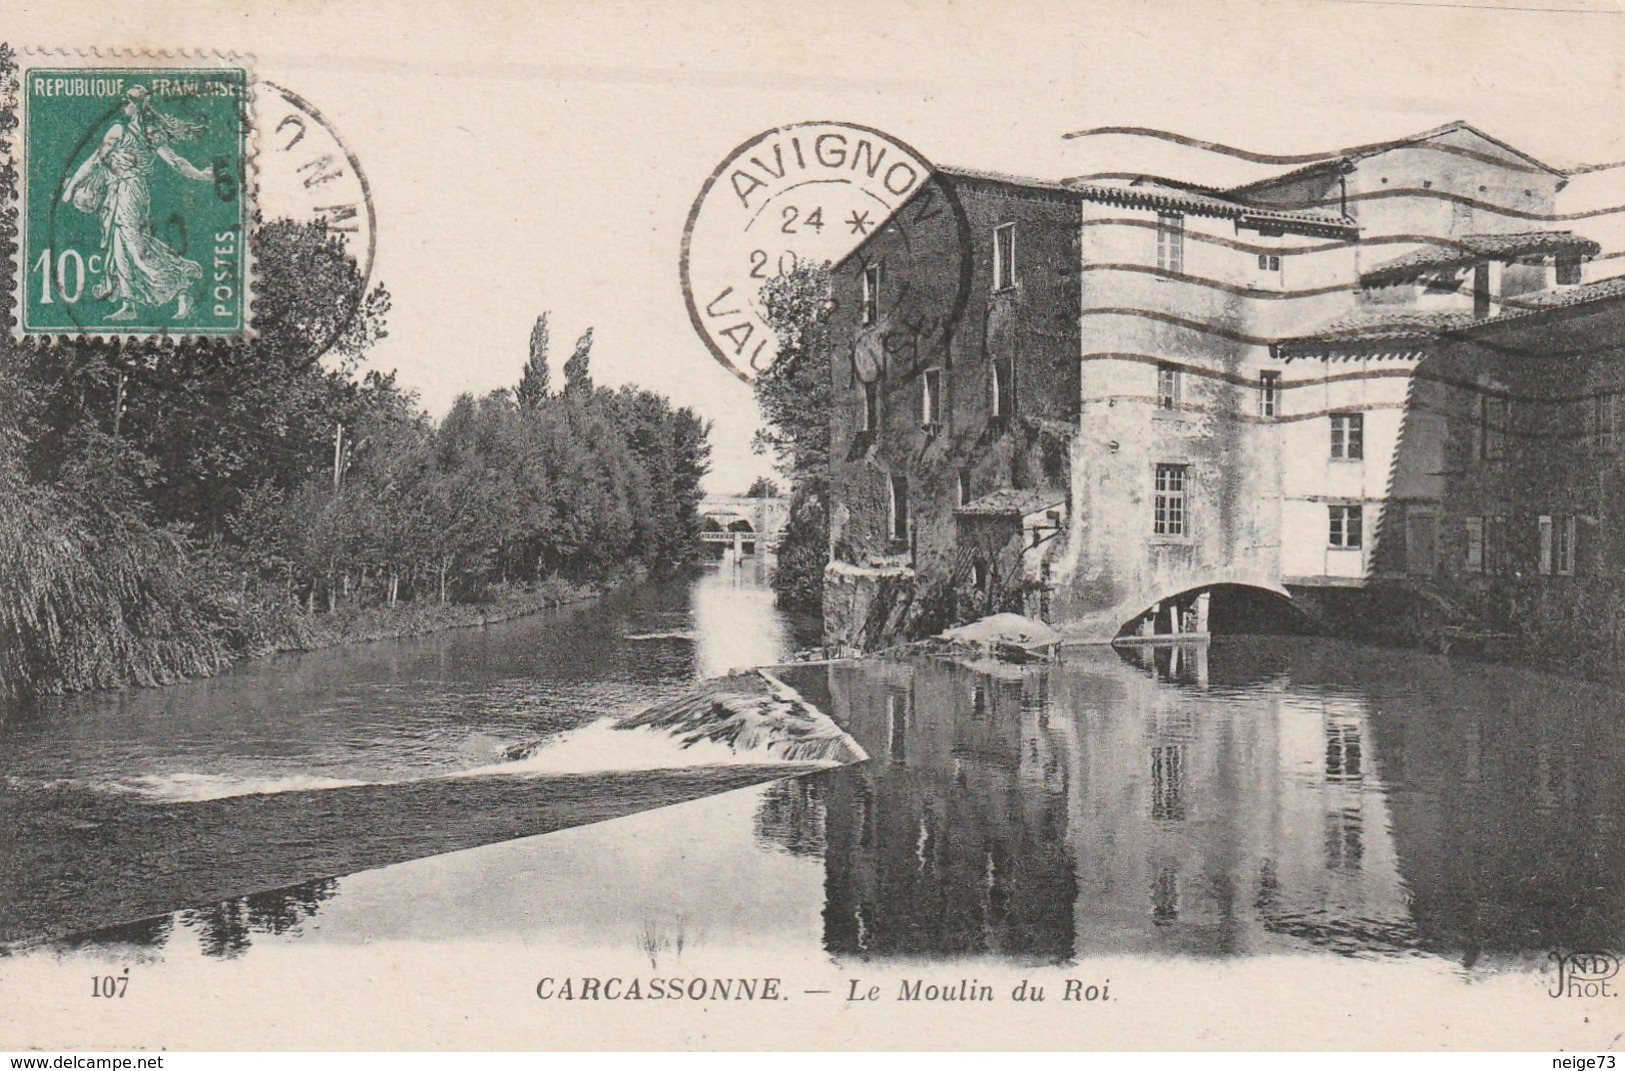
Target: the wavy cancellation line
(1244, 338)
(1343, 200)
(1293, 251)
(1221, 149)
(1591, 169)
(1504, 428)
(1246, 291)
(1422, 374)
(1472, 202)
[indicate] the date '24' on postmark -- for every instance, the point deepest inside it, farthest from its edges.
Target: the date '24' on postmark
(134, 207)
(808, 193)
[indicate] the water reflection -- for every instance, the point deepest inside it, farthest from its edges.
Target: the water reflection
(951, 840)
(1259, 796)
(293, 768)
(223, 930)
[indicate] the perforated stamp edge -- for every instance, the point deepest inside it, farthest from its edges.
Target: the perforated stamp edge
(31, 57)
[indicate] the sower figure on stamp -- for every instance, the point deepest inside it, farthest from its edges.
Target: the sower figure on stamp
(116, 181)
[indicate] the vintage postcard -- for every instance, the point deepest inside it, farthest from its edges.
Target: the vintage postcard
(916, 525)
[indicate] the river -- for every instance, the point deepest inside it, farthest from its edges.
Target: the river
(1265, 796)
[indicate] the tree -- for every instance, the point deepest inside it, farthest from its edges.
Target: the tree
(794, 396)
(535, 382)
(166, 509)
(763, 487)
(577, 378)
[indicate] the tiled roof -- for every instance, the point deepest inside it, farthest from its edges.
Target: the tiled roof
(1379, 325)
(1147, 191)
(1150, 192)
(1471, 248)
(1005, 179)
(1010, 502)
(1333, 163)
(1347, 158)
(1563, 297)
(1450, 128)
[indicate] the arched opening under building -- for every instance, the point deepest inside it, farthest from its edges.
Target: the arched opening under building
(1170, 639)
(1219, 610)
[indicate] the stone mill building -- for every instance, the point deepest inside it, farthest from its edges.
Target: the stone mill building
(1388, 378)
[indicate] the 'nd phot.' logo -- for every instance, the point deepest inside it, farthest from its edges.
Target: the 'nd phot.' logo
(1585, 974)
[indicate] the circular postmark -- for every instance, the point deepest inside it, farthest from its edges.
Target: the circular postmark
(308, 173)
(807, 193)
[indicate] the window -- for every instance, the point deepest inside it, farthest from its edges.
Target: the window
(1557, 536)
(897, 719)
(1493, 413)
(1344, 752)
(1171, 242)
(1473, 562)
(1345, 839)
(1568, 269)
(869, 301)
(1004, 388)
(1269, 262)
(1495, 544)
(1421, 540)
(1346, 525)
(1167, 386)
(899, 509)
(1348, 436)
(1604, 422)
(1165, 897)
(871, 408)
(931, 399)
(1169, 516)
(1269, 394)
(1168, 783)
(1004, 257)
(964, 487)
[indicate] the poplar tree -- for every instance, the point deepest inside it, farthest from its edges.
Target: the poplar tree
(577, 377)
(536, 381)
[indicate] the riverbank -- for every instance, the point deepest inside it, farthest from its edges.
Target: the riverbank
(404, 620)
(236, 630)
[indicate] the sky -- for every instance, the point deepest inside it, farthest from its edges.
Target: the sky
(544, 156)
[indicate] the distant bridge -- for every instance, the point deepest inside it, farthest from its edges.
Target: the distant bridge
(745, 525)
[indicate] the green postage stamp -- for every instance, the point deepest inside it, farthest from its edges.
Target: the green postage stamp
(136, 200)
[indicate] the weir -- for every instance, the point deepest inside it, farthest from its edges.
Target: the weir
(743, 717)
